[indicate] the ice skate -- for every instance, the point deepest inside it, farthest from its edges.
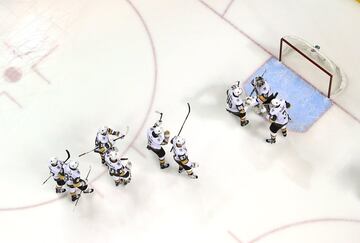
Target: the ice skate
(60, 190)
(270, 140)
(164, 165)
(244, 123)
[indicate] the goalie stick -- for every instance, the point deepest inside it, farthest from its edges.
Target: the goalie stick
(182, 126)
(68, 157)
(86, 179)
(121, 137)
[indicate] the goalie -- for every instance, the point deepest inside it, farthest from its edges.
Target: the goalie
(263, 95)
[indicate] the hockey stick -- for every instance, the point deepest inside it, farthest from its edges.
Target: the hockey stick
(68, 157)
(185, 119)
(182, 126)
(161, 115)
(121, 137)
(47, 179)
(82, 191)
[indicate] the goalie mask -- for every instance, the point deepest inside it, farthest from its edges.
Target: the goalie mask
(259, 81)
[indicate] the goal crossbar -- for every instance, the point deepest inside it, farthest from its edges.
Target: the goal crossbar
(307, 58)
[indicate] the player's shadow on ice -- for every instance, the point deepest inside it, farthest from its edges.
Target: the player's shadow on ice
(210, 102)
(349, 177)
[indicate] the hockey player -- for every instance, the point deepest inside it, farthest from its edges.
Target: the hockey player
(57, 172)
(181, 157)
(278, 117)
(235, 104)
(156, 139)
(74, 182)
(103, 142)
(263, 95)
(119, 169)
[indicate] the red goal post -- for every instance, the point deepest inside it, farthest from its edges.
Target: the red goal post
(311, 53)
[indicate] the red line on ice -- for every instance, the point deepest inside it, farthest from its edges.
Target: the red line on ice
(267, 51)
(11, 98)
(228, 7)
(143, 123)
(35, 68)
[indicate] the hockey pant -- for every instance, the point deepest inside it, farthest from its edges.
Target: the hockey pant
(275, 127)
(160, 153)
(121, 176)
(185, 164)
(75, 188)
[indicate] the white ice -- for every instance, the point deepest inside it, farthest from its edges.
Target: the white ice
(85, 64)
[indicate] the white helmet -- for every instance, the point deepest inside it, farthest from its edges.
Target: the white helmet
(157, 130)
(103, 130)
(73, 164)
(237, 91)
(275, 102)
(113, 156)
(235, 85)
(179, 141)
(53, 161)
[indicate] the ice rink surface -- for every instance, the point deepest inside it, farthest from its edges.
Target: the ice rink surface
(69, 67)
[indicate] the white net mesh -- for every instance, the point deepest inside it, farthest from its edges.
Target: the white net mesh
(313, 52)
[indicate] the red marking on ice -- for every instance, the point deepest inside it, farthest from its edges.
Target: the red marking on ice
(300, 223)
(235, 27)
(12, 74)
(11, 98)
(151, 102)
(35, 68)
(15, 52)
(228, 7)
(234, 236)
(267, 51)
(138, 151)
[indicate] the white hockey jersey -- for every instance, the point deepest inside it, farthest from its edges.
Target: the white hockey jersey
(57, 170)
(102, 139)
(279, 114)
(263, 90)
(180, 153)
(155, 142)
(234, 104)
(71, 175)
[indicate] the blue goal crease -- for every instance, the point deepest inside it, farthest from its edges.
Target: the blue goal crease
(307, 103)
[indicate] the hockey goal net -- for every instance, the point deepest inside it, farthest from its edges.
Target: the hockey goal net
(309, 62)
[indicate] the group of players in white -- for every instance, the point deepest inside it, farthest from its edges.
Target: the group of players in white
(66, 173)
(265, 102)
